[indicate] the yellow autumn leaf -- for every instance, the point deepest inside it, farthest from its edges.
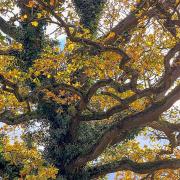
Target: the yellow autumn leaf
(23, 17)
(111, 35)
(39, 15)
(71, 47)
(34, 23)
(30, 4)
(149, 43)
(48, 76)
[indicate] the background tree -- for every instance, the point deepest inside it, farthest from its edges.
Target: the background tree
(116, 78)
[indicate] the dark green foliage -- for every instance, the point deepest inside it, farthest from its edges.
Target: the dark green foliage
(32, 37)
(132, 134)
(10, 171)
(89, 12)
(32, 41)
(59, 149)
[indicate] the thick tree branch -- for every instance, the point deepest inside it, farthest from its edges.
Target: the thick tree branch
(11, 52)
(66, 87)
(11, 88)
(170, 55)
(176, 22)
(128, 123)
(160, 88)
(10, 30)
(127, 164)
(165, 126)
(168, 129)
(131, 21)
(10, 118)
(117, 98)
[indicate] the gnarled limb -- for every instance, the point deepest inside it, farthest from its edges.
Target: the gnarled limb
(138, 120)
(170, 55)
(165, 126)
(159, 89)
(127, 164)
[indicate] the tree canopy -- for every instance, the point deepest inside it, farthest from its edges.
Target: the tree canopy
(106, 103)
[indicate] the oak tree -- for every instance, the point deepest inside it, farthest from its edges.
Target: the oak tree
(80, 110)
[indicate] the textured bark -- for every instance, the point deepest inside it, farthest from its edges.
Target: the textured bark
(65, 147)
(141, 168)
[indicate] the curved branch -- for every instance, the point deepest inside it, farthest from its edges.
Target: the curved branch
(159, 89)
(68, 88)
(115, 97)
(165, 126)
(127, 164)
(140, 119)
(104, 115)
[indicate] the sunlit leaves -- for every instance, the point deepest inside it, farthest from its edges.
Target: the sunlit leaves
(33, 165)
(34, 23)
(79, 66)
(31, 4)
(24, 17)
(111, 35)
